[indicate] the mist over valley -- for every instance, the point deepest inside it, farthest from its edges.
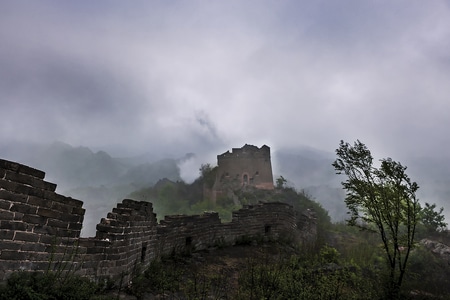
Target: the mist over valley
(101, 181)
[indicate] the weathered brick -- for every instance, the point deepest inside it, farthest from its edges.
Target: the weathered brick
(49, 186)
(10, 245)
(61, 207)
(40, 265)
(49, 213)
(24, 189)
(55, 260)
(9, 165)
(78, 211)
(73, 202)
(91, 262)
(41, 202)
(24, 208)
(75, 226)
(103, 228)
(35, 247)
(117, 237)
(74, 218)
(21, 178)
(122, 211)
(31, 171)
(54, 196)
(29, 180)
(6, 234)
(47, 239)
(63, 199)
(35, 219)
(19, 168)
(36, 192)
(57, 223)
(87, 242)
(39, 256)
(13, 225)
(58, 232)
(66, 217)
(13, 255)
(12, 266)
(26, 236)
(68, 233)
(18, 216)
(46, 230)
(95, 250)
(6, 205)
(6, 215)
(11, 196)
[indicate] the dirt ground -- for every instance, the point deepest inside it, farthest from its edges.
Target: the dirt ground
(225, 264)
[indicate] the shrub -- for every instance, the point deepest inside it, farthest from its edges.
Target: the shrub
(43, 286)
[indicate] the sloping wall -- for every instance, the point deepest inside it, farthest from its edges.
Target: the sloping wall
(40, 230)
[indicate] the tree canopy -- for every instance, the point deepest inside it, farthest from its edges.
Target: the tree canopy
(433, 220)
(383, 200)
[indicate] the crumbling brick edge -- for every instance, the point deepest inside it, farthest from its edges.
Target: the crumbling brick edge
(40, 230)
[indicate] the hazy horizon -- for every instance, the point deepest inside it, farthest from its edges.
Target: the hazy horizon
(176, 77)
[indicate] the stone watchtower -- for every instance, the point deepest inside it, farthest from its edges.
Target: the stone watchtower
(246, 166)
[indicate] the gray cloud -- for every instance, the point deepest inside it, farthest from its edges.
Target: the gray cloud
(196, 76)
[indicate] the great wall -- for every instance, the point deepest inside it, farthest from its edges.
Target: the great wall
(40, 230)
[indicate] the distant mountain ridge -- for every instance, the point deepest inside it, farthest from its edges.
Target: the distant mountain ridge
(101, 180)
(73, 167)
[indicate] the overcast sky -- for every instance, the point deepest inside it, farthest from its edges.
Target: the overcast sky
(180, 76)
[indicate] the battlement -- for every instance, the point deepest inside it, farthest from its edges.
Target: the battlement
(40, 229)
(247, 151)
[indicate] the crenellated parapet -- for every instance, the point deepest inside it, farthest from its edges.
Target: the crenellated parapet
(34, 219)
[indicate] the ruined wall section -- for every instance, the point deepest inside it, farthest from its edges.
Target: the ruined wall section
(264, 220)
(180, 233)
(271, 220)
(248, 165)
(40, 230)
(125, 241)
(36, 223)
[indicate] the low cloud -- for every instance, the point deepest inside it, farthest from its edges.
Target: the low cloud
(203, 77)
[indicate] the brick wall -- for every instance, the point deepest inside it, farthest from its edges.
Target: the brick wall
(248, 165)
(40, 230)
(36, 223)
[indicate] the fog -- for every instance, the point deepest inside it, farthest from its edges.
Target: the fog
(170, 78)
(187, 76)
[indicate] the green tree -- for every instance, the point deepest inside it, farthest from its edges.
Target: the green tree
(281, 182)
(208, 174)
(383, 200)
(169, 201)
(433, 220)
